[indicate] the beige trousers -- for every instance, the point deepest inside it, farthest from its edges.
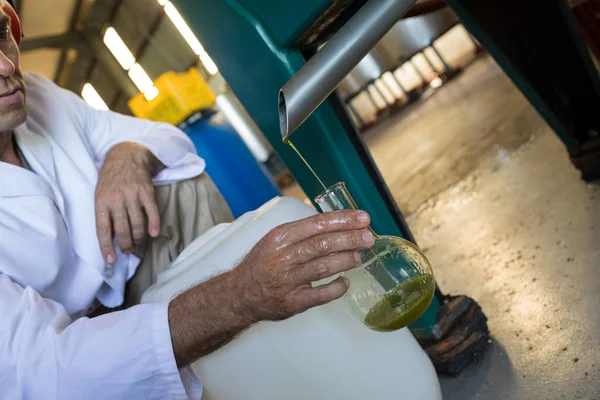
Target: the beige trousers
(187, 210)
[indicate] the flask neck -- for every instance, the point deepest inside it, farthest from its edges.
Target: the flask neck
(337, 198)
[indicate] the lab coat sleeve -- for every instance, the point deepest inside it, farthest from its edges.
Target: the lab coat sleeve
(104, 129)
(121, 355)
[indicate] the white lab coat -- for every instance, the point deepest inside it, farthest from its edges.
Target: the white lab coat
(51, 267)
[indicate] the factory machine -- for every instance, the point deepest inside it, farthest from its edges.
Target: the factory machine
(308, 47)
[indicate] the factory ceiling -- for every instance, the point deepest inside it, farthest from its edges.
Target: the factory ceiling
(64, 41)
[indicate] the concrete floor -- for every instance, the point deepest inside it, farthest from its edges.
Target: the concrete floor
(492, 198)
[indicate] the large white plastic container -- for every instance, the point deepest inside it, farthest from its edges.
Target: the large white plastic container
(321, 354)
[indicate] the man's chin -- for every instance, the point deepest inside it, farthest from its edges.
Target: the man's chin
(12, 117)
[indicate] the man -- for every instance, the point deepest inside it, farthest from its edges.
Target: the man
(82, 193)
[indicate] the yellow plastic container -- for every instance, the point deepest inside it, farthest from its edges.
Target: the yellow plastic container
(180, 95)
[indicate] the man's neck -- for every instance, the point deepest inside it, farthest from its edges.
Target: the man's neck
(8, 152)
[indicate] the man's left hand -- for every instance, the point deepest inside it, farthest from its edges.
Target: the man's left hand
(125, 198)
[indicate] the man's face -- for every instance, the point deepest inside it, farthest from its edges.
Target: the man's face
(13, 111)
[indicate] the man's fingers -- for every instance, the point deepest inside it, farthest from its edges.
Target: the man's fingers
(136, 219)
(149, 204)
(328, 243)
(325, 267)
(122, 229)
(308, 297)
(105, 234)
(297, 231)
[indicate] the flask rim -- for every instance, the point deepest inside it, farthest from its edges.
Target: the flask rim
(331, 189)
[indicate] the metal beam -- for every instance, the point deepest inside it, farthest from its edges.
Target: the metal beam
(70, 40)
(91, 16)
(72, 25)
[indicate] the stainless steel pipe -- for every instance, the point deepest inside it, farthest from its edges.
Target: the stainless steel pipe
(245, 126)
(311, 85)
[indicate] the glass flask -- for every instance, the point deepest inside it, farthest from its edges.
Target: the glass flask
(394, 284)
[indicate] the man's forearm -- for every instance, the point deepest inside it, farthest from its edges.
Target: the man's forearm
(206, 317)
(273, 282)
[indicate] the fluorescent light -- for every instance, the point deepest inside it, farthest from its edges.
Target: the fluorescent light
(162, 2)
(151, 93)
(137, 74)
(140, 78)
(183, 28)
(436, 82)
(92, 97)
(118, 48)
(189, 37)
(143, 82)
(208, 63)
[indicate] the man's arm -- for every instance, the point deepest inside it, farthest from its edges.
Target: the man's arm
(273, 282)
(121, 355)
(135, 353)
(207, 317)
(102, 130)
(132, 156)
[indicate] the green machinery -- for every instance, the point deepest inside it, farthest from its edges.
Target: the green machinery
(259, 45)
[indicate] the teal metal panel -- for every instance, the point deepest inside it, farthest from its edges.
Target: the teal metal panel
(286, 20)
(256, 67)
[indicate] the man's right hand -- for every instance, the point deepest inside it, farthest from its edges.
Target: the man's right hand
(273, 282)
(276, 276)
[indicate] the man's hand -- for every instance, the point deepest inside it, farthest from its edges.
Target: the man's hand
(277, 274)
(125, 198)
(273, 282)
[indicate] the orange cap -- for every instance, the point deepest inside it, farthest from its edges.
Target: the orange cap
(15, 23)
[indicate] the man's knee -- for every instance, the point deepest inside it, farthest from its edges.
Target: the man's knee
(189, 208)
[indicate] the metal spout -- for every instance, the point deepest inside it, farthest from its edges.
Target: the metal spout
(311, 85)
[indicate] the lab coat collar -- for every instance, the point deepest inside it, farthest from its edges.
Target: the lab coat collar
(17, 181)
(37, 150)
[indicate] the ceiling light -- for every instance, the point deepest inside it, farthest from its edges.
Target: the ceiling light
(137, 74)
(189, 37)
(118, 48)
(208, 63)
(92, 97)
(140, 78)
(436, 82)
(151, 93)
(183, 28)
(162, 2)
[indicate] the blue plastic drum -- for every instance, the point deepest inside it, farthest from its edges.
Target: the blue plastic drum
(242, 180)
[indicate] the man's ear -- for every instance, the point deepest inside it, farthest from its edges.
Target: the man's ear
(15, 23)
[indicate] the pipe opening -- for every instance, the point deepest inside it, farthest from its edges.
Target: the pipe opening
(283, 117)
